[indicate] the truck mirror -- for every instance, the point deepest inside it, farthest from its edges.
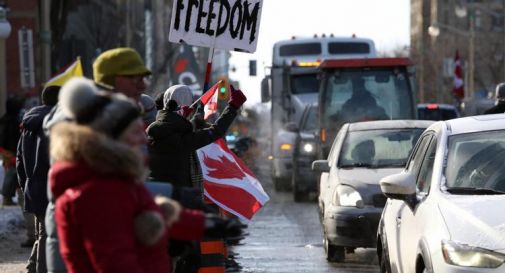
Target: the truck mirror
(252, 68)
(265, 89)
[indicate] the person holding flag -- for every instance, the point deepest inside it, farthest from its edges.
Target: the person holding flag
(173, 142)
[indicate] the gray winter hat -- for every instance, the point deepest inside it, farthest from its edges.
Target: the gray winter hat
(109, 113)
(179, 93)
(500, 92)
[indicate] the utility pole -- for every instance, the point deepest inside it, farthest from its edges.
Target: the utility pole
(471, 58)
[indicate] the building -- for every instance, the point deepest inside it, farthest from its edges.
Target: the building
(434, 54)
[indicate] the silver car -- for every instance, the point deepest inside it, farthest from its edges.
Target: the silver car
(350, 198)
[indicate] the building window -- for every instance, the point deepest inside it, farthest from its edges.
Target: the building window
(497, 21)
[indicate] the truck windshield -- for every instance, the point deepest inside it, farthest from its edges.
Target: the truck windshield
(303, 84)
(353, 95)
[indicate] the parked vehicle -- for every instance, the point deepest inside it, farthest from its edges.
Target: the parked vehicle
(445, 209)
(293, 84)
(303, 180)
(436, 111)
(350, 199)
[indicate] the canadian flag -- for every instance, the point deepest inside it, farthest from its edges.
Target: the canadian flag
(458, 89)
(227, 181)
(210, 107)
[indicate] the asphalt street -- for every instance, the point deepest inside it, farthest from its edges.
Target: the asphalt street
(286, 237)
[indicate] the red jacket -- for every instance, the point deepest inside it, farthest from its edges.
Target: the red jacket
(95, 213)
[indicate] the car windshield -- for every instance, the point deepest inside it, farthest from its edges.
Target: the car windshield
(358, 95)
(306, 83)
(476, 163)
(378, 148)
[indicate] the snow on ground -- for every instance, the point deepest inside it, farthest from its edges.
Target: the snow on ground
(12, 232)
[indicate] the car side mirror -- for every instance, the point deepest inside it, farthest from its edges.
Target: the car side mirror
(291, 127)
(322, 166)
(400, 186)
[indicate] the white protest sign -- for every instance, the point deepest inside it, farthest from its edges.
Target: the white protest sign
(223, 24)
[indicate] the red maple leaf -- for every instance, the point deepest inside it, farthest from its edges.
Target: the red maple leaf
(222, 168)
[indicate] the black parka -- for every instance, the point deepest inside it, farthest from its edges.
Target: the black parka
(172, 143)
(32, 160)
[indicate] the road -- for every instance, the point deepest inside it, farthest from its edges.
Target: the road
(287, 237)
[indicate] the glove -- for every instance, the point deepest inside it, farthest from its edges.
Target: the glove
(237, 98)
(219, 227)
(185, 111)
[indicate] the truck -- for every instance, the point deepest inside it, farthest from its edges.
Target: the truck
(293, 84)
(353, 90)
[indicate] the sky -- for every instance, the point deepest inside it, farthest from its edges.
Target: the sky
(387, 22)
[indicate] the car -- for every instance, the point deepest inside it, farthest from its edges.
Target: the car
(437, 111)
(303, 180)
(445, 208)
(350, 199)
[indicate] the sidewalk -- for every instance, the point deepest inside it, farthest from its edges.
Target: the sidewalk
(12, 232)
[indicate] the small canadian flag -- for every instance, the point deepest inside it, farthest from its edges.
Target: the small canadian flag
(210, 107)
(458, 89)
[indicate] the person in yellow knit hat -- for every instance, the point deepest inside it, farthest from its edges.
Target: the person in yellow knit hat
(123, 70)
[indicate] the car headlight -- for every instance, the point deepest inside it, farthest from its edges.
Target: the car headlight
(307, 147)
(347, 196)
(470, 256)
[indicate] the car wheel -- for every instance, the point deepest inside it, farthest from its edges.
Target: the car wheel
(334, 254)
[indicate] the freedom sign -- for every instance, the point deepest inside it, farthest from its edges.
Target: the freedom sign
(223, 24)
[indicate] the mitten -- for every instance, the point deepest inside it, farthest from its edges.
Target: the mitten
(237, 98)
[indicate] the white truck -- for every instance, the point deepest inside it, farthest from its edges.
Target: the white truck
(293, 84)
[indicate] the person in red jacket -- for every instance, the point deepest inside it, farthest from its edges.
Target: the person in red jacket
(96, 178)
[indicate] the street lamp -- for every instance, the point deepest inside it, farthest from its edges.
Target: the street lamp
(5, 31)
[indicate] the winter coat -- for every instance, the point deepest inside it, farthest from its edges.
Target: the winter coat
(32, 160)
(97, 185)
(497, 109)
(54, 260)
(172, 143)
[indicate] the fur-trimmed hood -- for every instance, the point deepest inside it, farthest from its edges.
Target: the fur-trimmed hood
(82, 153)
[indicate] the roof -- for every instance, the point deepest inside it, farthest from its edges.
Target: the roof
(301, 40)
(476, 124)
(375, 62)
(389, 124)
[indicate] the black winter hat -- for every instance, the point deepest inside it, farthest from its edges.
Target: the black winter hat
(109, 113)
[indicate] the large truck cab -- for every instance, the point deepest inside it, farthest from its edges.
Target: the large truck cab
(293, 84)
(359, 90)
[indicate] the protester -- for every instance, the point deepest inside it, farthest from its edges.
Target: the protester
(172, 141)
(96, 179)
(122, 70)
(9, 137)
(499, 107)
(32, 165)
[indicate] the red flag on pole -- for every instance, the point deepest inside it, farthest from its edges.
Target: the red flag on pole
(458, 89)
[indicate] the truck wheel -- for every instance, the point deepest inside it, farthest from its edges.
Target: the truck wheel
(334, 254)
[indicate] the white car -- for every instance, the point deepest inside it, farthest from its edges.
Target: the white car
(445, 211)
(350, 199)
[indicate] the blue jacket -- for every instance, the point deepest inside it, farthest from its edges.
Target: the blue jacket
(32, 160)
